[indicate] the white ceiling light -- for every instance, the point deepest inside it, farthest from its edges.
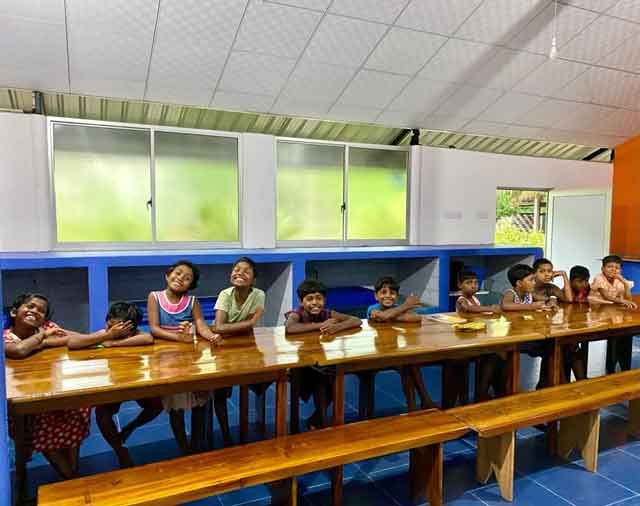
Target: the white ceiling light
(553, 53)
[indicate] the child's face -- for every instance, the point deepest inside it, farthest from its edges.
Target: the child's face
(113, 321)
(544, 273)
(527, 284)
(32, 312)
(179, 279)
(611, 270)
(386, 296)
(579, 285)
(468, 286)
(242, 275)
(313, 303)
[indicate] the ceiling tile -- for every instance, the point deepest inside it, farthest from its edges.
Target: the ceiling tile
(468, 102)
(320, 5)
(487, 128)
(625, 57)
(550, 76)
(276, 29)
(621, 122)
(382, 11)
(192, 40)
(594, 5)
(506, 68)
(344, 41)
(34, 54)
(316, 109)
(422, 95)
(313, 81)
(437, 16)
(548, 113)
(510, 107)
(407, 119)
(404, 51)
(598, 39)
(110, 42)
(255, 74)
(537, 35)
(50, 11)
(442, 122)
(373, 89)
(498, 21)
(628, 9)
(458, 61)
(342, 112)
(522, 132)
(242, 101)
(585, 117)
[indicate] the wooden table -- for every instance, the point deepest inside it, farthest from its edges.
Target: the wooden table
(58, 378)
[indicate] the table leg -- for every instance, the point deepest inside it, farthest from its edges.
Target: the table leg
(19, 489)
(338, 419)
(244, 413)
(554, 357)
(294, 416)
(513, 372)
(281, 405)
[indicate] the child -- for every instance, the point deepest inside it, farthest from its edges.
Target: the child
(611, 286)
(57, 434)
(520, 297)
(238, 310)
(468, 302)
(387, 309)
(122, 322)
(544, 288)
(310, 316)
(176, 316)
(579, 282)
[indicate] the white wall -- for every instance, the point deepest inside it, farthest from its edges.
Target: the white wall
(454, 191)
(25, 207)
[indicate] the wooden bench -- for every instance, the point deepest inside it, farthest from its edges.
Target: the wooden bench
(576, 405)
(194, 477)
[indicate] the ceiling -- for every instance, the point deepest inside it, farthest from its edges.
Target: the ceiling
(470, 66)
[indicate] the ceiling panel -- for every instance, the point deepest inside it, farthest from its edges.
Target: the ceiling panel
(193, 38)
(484, 128)
(276, 29)
(468, 102)
(550, 76)
(444, 122)
(317, 81)
(510, 107)
(407, 119)
(313, 109)
(404, 51)
(255, 73)
(320, 5)
(353, 113)
(621, 123)
(437, 16)
(625, 57)
(242, 101)
(49, 11)
(373, 89)
(548, 113)
(594, 5)
(382, 11)
(506, 68)
(498, 21)
(458, 60)
(422, 95)
(628, 9)
(523, 132)
(344, 41)
(598, 39)
(585, 117)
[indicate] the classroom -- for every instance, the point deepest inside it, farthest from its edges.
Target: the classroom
(320, 252)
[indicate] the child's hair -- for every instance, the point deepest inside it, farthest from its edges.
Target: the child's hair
(465, 275)
(249, 261)
(541, 261)
(387, 281)
(611, 259)
(579, 272)
(310, 286)
(126, 312)
(23, 299)
(518, 272)
(194, 270)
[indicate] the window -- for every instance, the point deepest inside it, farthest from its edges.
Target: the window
(329, 192)
(521, 217)
(112, 187)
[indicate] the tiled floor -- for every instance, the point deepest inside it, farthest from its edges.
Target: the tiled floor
(541, 480)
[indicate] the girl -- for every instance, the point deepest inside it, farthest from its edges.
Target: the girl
(176, 316)
(56, 434)
(238, 310)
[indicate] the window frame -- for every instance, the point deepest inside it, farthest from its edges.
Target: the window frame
(154, 244)
(345, 195)
(529, 189)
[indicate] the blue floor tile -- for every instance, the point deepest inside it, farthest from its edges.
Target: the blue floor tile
(621, 468)
(526, 492)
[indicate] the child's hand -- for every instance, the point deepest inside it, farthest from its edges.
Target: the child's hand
(629, 304)
(54, 332)
(186, 332)
(539, 304)
(329, 326)
(214, 338)
(557, 274)
(412, 301)
(495, 308)
(121, 330)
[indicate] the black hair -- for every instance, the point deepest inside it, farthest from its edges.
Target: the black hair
(464, 275)
(249, 261)
(23, 299)
(126, 312)
(611, 259)
(541, 261)
(387, 281)
(194, 270)
(518, 272)
(579, 272)
(310, 286)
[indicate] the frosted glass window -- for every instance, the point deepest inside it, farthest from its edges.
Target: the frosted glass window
(196, 187)
(101, 178)
(310, 191)
(377, 200)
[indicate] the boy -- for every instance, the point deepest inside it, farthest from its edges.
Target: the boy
(544, 288)
(468, 302)
(387, 309)
(520, 297)
(611, 286)
(310, 316)
(121, 329)
(579, 282)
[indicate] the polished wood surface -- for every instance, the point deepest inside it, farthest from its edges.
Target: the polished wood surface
(190, 478)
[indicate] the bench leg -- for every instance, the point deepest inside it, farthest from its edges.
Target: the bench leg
(634, 417)
(285, 492)
(496, 455)
(426, 473)
(366, 393)
(20, 486)
(260, 403)
(294, 417)
(581, 432)
(337, 473)
(408, 389)
(244, 413)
